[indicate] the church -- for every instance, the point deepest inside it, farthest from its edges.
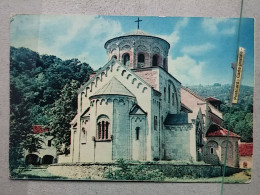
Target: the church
(132, 108)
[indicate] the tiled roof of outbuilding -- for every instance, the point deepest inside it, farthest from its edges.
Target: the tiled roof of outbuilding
(218, 131)
(245, 149)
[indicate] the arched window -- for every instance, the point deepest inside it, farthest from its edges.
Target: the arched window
(126, 58)
(141, 58)
(155, 60)
(114, 56)
(103, 128)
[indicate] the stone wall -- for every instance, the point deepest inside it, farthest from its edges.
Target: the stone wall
(97, 171)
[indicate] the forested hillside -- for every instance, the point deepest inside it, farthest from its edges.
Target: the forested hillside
(238, 118)
(42, 91)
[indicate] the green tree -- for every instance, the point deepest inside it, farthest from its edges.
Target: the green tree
(62, 113)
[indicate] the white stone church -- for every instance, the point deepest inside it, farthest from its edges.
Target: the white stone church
(133, 108)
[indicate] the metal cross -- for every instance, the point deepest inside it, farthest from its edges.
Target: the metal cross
(138, 22)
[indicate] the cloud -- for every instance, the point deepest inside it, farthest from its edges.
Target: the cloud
(222, 26)
(187, 70)
(174, 37)
(65, 36)
(197, 49)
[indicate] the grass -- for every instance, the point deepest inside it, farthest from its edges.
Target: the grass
(36, 173)
(242, 177)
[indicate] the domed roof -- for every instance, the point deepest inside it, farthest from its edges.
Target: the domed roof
(137, 32)
(113, 87)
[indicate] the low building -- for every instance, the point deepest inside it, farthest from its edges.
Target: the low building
(47, 154)
(245, 155)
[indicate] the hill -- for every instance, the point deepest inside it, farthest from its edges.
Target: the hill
(239, 117)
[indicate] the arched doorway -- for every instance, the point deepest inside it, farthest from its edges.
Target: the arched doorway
(47, 159)
(32, 159)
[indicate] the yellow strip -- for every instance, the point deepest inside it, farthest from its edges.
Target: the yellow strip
(240, 60)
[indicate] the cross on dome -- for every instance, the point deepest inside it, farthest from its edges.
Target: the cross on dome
(138, 21)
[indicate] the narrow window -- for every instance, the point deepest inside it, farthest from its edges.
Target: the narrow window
(164, 91)
(137, 133)
(173, 99)
(169, 94)
(211, 151)
(126, 58)
(49, 143)
(155, 122)
(155, 60)
(141, 58)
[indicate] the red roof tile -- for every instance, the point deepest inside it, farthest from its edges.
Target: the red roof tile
(39, 129)
(245, 149)
(222, 133)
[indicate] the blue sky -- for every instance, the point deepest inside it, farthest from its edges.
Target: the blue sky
(202, 49)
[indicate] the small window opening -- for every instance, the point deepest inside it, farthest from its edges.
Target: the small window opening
(155, 60)
(211, 150)
(137, 133)
(126, 59)
(141, 58)
(49, 143)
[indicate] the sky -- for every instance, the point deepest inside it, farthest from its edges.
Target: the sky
(201, 52)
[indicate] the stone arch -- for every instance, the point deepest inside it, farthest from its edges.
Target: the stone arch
(47, 159)
(101, 101)
(97, 79)
(107, 69)
(128, 76)
(211, 155)
(156, 50)
(126, 59)
(32, 159)
(144, 89)
(141, 58)
(155, 60)
(133, 81)
(139, 84)
(141, 48)
(91, 86)
(126, 47)
(103, 127)
(123, 72)
(109, 100)
(102, 75)
(121, 101)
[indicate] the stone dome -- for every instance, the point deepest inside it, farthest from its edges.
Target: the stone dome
(138, 49)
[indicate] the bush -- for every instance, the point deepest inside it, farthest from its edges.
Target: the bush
(127, 171)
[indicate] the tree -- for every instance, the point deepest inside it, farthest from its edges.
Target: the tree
(62, 113)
